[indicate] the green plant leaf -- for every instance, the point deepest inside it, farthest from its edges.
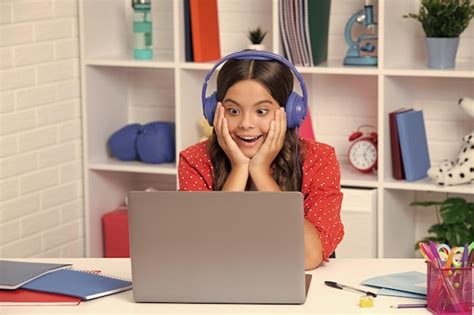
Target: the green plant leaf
(439, 230)
(457, 235)
(454, 210)
(444, 18)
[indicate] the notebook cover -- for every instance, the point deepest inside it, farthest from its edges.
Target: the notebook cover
(82, 284)
(319, 12)
(205, 30)
(188, 41)
(412, 282)
(13, 274)
(413, 144)
(397, 163)
(22, 297)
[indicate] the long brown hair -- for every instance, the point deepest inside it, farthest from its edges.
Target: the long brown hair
(278, 80)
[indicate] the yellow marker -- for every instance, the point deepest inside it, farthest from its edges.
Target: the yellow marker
(366, 301)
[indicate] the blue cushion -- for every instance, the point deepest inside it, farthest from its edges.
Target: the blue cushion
(122, 143)
(156, 143)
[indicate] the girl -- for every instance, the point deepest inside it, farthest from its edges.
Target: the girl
(252, 149)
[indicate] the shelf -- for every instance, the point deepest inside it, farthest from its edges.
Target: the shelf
(133, 167)
(352, 177)
(329, 67)
(427, 185)
(130, 63)
(335, 66)
(196, 65)
(462, 70)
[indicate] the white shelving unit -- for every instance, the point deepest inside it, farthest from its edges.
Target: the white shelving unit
(117, 90)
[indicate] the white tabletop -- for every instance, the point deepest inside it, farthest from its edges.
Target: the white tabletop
(320, 300)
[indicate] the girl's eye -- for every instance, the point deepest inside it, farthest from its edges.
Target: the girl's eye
(233, 111)
(262, 112)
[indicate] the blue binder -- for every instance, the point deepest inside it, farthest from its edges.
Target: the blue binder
(413, 144)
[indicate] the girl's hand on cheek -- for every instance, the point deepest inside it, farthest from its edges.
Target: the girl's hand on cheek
(231, 149)
(269, 150)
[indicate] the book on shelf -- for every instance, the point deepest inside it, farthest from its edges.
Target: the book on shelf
(205, 30)
(85, 285)
(397, 163)
(14, 274)
(21, 297)
(413, 144)
(319, 12)
(188, 39)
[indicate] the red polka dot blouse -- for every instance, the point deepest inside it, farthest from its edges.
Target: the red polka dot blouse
(320, 186)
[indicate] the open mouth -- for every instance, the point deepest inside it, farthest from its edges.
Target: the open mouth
(249, 139)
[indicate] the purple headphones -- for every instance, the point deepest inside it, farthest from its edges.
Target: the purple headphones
(295, 106)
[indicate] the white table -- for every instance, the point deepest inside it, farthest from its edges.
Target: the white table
(320, 300)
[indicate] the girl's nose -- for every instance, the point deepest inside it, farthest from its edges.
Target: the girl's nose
(246, 122)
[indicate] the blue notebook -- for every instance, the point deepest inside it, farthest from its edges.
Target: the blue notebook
(82, 284)
(413, 144)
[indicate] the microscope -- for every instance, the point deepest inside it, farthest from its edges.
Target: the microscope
(361, 51)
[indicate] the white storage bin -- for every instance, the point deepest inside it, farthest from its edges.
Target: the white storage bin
(359, 216)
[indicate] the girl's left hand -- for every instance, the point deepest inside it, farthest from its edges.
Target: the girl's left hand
(263, 159)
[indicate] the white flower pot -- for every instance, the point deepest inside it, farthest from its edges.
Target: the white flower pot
(257, 46)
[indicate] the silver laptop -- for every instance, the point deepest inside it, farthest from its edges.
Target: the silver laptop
(217, 247)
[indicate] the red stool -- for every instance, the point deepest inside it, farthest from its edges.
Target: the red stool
(115, 233)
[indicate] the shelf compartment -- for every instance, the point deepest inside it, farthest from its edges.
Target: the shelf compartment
(405, 42)
(445, 122)
(335, 118)
(119, 96)
(107, 28)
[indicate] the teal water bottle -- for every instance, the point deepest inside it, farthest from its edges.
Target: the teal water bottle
(142, 30)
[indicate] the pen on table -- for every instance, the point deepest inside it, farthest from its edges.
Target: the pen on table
(409, 306)
(412, 305)
(336, 285)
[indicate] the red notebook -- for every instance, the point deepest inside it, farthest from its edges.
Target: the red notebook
(397, 162)
(205, 30)
(21, 297)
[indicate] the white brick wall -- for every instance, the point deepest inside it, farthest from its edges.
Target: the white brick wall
(41, 207)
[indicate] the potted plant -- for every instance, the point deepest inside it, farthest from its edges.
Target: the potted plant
(455, 225)
(256, 37)
(443, 21)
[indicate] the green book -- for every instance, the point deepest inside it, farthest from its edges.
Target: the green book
(319, 12)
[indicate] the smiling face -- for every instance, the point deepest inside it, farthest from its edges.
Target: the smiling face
(249, 108)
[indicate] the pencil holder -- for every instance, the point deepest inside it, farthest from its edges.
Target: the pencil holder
(449, 290)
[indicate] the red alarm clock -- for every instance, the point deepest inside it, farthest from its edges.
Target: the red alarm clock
(362, 153)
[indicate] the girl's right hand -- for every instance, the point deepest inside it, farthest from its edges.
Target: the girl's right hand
(231, 149)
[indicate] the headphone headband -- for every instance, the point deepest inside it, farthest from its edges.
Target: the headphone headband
(256, 55)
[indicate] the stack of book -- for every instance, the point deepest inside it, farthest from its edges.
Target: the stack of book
(27, 283)
(409, 145)
(304, 28)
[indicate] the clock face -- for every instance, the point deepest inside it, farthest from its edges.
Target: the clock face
(363, 155)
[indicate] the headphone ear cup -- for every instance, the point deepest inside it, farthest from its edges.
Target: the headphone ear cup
(295, 109)
(209, 108)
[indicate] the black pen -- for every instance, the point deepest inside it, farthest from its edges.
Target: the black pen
(336, 285)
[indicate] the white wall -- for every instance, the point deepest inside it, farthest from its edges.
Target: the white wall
(41, 207)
